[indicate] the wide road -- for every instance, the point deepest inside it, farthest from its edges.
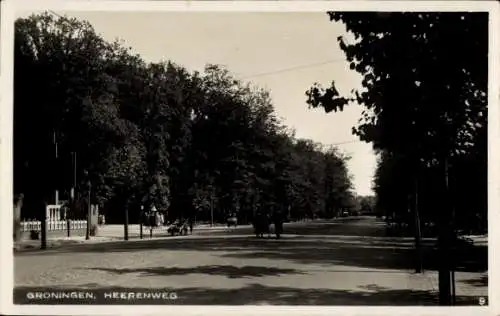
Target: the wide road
(339, 262)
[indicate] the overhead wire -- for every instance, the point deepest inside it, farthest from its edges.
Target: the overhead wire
(346, 142)
(293, 68)
(330, 61)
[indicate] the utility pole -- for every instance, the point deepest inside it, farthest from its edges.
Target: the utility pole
(89, 211)
(43, 226)
(56, 195)
(73, 155)
(72, 198)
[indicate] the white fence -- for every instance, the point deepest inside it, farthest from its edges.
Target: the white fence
(55, 212)
(52, 225)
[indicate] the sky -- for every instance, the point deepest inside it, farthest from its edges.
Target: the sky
(250, 46)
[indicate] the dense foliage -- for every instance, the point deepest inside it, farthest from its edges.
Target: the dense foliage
(425, 99)
(154, 133)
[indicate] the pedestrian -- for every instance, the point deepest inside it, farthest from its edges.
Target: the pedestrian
(278, 224)
(260, 223)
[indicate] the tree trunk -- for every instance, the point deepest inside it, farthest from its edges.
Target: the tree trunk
(17, 217)
(418, 245)
(43, 222)
(89, 212)
(444, 244)
(141, 223)
(125, 224)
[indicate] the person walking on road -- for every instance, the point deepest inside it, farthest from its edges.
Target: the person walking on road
(261, 225)
(278, 224)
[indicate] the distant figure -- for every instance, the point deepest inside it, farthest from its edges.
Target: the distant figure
(261, 225)
(278, 224)
(232, 221)
(157, 219)
(191, 226)
(101, 219)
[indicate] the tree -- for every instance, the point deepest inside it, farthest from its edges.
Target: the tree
(423, 101)
(367, 205)
(61, 61)
(156, 134)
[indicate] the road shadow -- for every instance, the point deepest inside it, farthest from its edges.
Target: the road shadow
(231, 272)
(478, 282)
(348, 251)
(473, 259)
(354, 242)
(253, 294)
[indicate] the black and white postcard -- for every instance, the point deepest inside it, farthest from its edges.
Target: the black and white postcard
(249, 157)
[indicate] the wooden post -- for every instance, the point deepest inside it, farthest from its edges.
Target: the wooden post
(43, 226)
